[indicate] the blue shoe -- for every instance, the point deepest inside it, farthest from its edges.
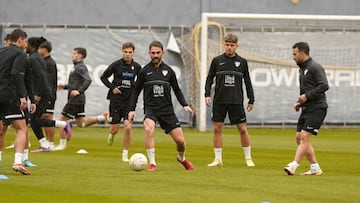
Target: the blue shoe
(42, 149)
(68, 130)
(28, 163)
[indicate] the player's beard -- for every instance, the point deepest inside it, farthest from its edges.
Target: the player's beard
(156, 60)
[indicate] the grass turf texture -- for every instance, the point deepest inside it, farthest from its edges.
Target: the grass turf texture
(101, 176)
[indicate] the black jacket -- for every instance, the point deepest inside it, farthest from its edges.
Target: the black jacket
(39, 76)
(79, 79)
(13, 66)
(314, 84)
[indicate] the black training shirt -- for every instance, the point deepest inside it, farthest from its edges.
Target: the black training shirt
(230, 74)
(157, 84)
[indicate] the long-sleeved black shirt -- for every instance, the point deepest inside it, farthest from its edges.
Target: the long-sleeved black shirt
(39, 75)
(80, 80)
(157, 84)
(230, 74)
(52, 75)
(13, 66)
(314, 84)
(124, 76)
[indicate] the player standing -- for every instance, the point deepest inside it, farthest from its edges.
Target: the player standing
(230, 71)
(45, 50)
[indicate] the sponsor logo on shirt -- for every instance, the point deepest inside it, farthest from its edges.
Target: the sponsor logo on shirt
(229, 81)
(149, 73)
(158, 90)
(128, 74)
(125, 83)
(222, 63)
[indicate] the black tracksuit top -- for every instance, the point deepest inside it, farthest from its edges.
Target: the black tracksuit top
(157, 84)
(39, 74)
(230, 74)
(52, 75)
(124, 76)
(13, 68)
(80, 80)
(314, 84)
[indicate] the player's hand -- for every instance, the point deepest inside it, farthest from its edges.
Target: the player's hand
(74, 93)
(208, 101)
(188, 109)
(37, 99)
(60, 86)
(116, 90)
(131, 115)
(250, 107)
(23, 103)
(302, 99)
(32, 108)
(297, 106)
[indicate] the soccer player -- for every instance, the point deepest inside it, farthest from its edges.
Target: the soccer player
(124, 72)
(78, 83)
(13, 92)
(231, 71)
(42, 94)
(157, 79)
(313, 105)
(45, 50)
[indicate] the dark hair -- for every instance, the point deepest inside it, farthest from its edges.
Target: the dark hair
(46, 45)
(156, 44)
(36, 41)
(231, 38)
(16, 34)
(81, 51)
(7, 37)
(302, 47)
(128, 45)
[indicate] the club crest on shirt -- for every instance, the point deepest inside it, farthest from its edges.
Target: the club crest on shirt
(305, 72)
(165, 72)
(132, 67)
(237, 63)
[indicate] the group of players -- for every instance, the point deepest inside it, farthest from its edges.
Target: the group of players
(155, 79)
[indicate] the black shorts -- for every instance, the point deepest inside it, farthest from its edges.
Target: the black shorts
(74, 110)
(10, 110)
(167, 120)
(236, 113)
(118, 111)
(311, 121)
(50, 109)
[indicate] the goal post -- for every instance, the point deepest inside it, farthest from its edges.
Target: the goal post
(205, 19)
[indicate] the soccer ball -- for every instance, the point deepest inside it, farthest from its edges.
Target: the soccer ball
(138, 162)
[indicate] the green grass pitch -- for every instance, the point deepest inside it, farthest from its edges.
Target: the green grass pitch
(101, 176)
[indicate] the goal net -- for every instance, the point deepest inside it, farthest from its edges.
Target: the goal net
(265, 40)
